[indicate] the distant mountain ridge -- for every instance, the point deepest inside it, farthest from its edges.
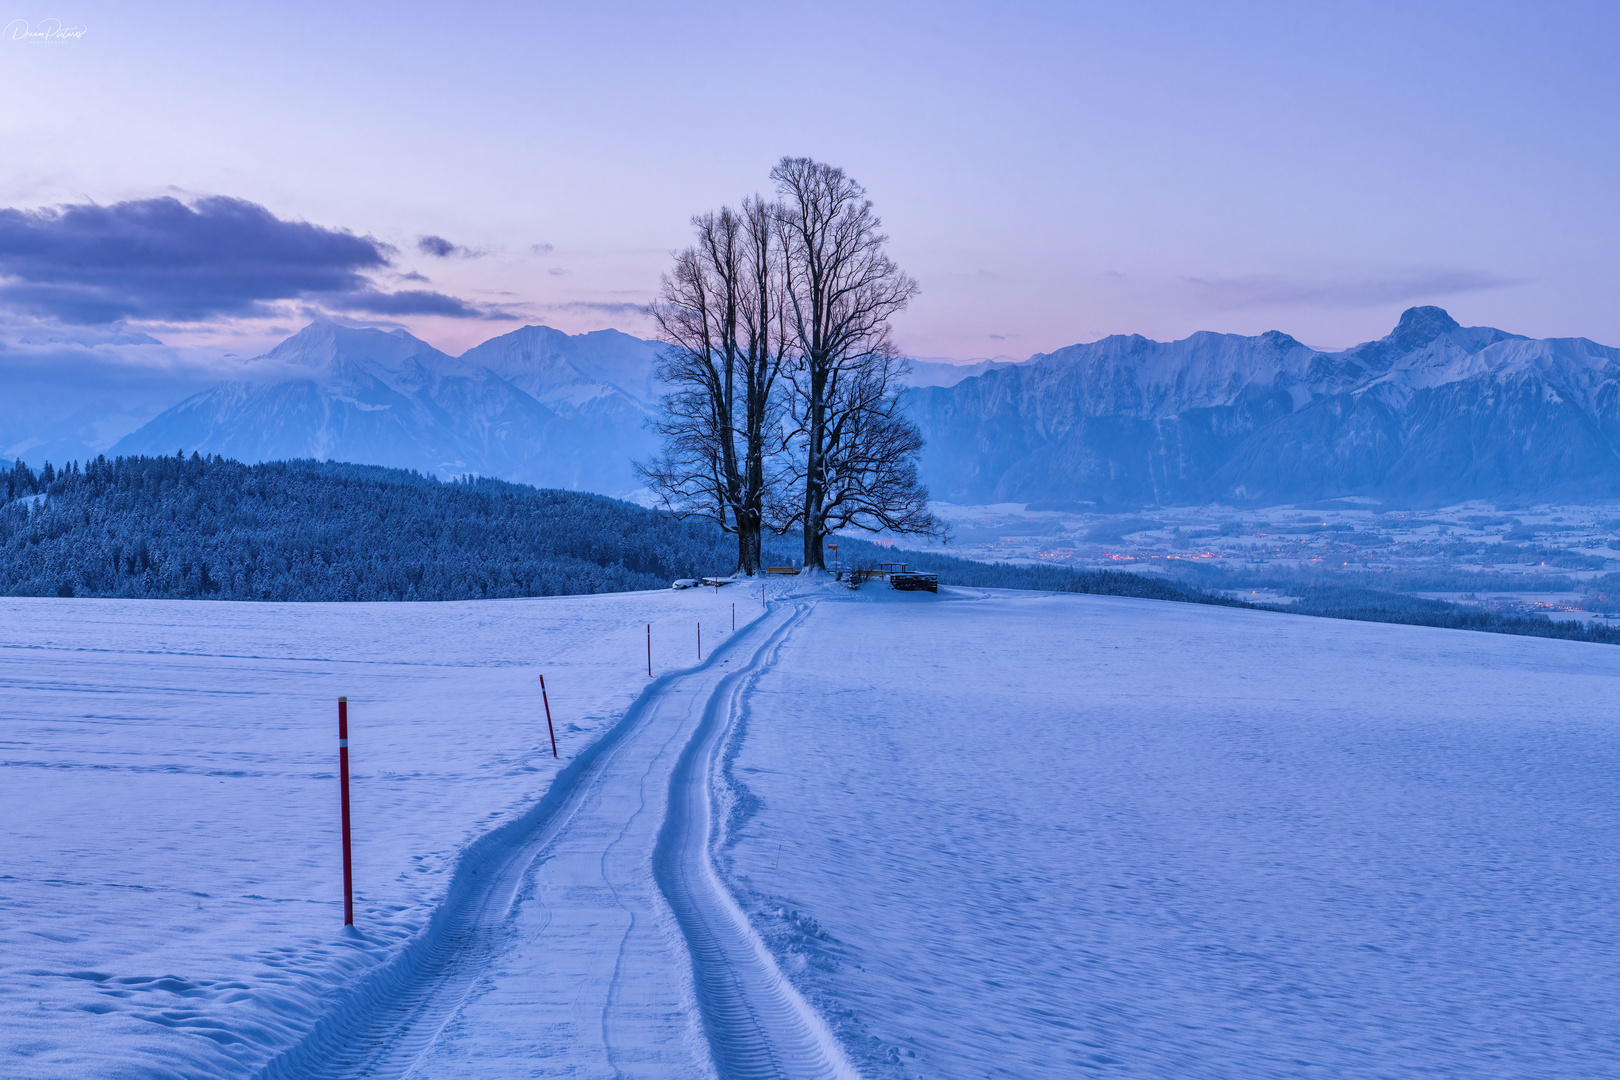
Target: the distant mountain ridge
(535, 405)
(1433, 412)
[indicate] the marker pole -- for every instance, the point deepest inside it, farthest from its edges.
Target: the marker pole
(548, 716)
(733, 618)
(700, 641)
(649, 650)
(343, 783)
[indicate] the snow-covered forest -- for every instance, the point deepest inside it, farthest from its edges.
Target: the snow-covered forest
(212, 528)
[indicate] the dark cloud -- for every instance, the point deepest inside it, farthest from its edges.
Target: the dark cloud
(600, 308)
(440, 248)
(1399, 288)
(410, 302)
(163, 259)
(435, 245)
(541, 249)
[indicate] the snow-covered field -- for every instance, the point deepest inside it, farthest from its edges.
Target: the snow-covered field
(170, 883)
(1062, 836)
(984, 834)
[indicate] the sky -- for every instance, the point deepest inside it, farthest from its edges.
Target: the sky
(1050, 173)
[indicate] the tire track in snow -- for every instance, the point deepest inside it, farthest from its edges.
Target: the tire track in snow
(395, 1013)
(758, 1025)
(390, 1021)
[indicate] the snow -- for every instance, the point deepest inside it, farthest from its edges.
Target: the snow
(170, 889)
(1059, 836)
(973, 834)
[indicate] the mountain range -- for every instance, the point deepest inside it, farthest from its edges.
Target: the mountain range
(1431, 413)
(535, 405)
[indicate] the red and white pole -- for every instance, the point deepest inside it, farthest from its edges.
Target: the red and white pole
(343, 783)
(548, 716)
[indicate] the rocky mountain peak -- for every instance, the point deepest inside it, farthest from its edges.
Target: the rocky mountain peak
(1421, 325)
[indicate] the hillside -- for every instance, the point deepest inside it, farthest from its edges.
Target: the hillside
(302, 530)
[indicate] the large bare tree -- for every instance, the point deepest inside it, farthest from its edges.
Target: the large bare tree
(719, 313)
(855, 451)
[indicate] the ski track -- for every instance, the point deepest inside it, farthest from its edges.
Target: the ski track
(757, 1023)
(645, 788)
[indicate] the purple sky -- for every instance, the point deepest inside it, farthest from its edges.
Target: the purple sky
(1051, 173)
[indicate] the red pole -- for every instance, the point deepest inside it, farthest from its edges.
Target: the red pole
(649, 650)
(343, 782)
(548, 716)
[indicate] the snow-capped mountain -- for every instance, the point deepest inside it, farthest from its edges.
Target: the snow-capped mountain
(572, 373)
(535, 405)
(1432, 412)
(949, 373)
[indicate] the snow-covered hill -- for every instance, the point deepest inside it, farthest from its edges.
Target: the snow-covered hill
(1433, 411)
(1170, 840)
(535, 405)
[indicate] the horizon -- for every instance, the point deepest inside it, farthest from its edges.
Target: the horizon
(216, 363)
(956, 362)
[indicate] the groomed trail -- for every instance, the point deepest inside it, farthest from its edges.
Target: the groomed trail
(555, 949)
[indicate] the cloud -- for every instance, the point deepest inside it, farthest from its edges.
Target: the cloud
(411, 302)
(162, 259)
(541, 249)
(440, 248)
(600, 308)
(1373, 291)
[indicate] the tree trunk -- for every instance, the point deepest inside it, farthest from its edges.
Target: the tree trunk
(814, 488)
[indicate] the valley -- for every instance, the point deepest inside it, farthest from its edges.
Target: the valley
(1553, 559)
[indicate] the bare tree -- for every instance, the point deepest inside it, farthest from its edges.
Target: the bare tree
(718, 311)
(855, 460)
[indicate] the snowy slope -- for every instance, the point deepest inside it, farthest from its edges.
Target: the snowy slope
(1025, 836)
